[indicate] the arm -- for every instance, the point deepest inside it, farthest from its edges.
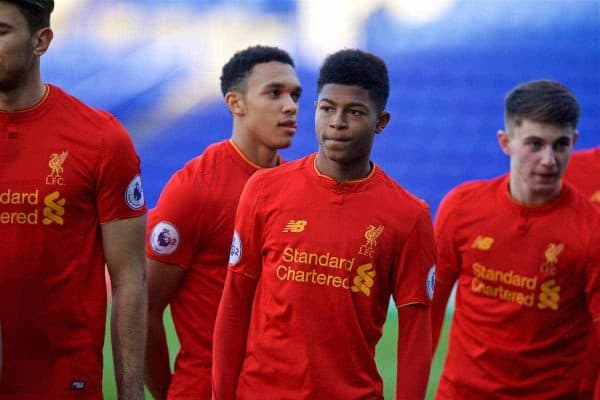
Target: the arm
(231, 330)
(163, 281)
(414, 352)
(123, 241)
(438, 308)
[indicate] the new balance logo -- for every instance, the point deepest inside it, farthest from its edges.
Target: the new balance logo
(295, 225)
(54, 210)
(482, 243)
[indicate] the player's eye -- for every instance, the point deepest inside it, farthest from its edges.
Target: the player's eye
(535, 144)
(296, 95)
(562, 145)
(354, 112)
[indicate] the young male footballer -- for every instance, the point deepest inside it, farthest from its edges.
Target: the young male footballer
(320, 245)
(71, 201)
(525, 251)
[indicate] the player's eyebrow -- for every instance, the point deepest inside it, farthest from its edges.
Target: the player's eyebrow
(280, 85)
(353, 104)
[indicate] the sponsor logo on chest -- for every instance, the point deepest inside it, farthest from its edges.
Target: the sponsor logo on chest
(538, 290)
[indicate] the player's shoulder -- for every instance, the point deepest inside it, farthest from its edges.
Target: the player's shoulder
(281, 174)
(396, 194)
(197, 173)
(579, 203)
(213, 156)
(76, 108)
(585, 159)
(475, 191)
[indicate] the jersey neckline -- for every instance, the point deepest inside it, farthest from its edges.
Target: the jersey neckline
(37, 109)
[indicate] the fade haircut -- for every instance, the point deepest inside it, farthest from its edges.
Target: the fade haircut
(541, 101)
(355, 67)
(36, 12)
(238, 68)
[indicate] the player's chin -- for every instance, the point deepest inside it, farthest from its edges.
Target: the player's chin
(335, 154)
(283, 141)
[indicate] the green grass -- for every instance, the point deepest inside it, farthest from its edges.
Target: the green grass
(385, 357)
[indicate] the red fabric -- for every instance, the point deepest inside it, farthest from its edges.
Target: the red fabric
(231, 330)
(583, 172)
(414, 352)
(199, 203)
(327, 257)
(52, 287)
(528, 281)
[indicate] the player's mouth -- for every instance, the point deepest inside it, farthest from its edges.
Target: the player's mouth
(289, 125)
(547, 176)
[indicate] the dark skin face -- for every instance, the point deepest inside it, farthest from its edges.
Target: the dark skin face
(346, 122)
(264, 111)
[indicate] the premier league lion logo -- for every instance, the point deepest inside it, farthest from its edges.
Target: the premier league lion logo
(164, 238)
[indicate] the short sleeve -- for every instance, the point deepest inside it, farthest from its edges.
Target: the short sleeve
(174, 225)
(448, 265)
(246, 248)
(119, 191)
(413, 280)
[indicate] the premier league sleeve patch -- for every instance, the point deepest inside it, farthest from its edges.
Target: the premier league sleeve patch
(236, 250)
(430, 282)
(164, 238)
(134, 195)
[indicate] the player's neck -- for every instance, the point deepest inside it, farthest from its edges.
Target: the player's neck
(257, 154)
(24, 96)
(341, 172)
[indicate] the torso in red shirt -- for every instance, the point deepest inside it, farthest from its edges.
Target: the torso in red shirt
(64, 168)
(528, 280)
(327, 257)
(192, 226)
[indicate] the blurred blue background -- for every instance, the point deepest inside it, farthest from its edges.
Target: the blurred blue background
(155, 65)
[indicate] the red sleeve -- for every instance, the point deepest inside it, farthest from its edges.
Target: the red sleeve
(231, 330)
(248, 236)
(174, 225)
(119, 192)
(448, 265)
(414, 352)
(413, 278)
(233, 316)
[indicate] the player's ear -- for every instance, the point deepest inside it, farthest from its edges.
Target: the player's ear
(41, 41)
(382, 121)
(504, 142)
(235, 103)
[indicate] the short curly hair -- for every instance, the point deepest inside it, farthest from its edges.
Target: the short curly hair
(237, 69)
(355, 67)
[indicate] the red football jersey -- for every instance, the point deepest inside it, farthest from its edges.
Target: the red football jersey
(64, 169)
(192, 226)
(583, 172)
(327, 256)
(528, 280)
